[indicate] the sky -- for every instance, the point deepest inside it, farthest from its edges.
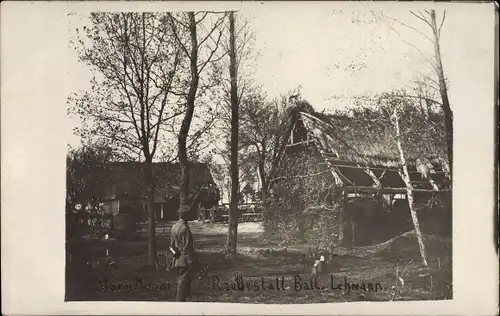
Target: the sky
(341, 51)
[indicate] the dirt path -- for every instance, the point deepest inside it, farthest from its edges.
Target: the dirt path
(260, 264)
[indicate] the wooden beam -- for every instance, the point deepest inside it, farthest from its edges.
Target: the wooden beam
(299, 143)
(419, 182)
(355, 165)
(338, 180)
(291, 134)
(433, 184)
(360, 167)
(373, 177)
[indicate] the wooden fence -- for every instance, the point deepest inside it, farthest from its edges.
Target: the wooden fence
(248, 212)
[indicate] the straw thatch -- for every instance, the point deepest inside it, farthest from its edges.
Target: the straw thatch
(366, 142)
(358, 149)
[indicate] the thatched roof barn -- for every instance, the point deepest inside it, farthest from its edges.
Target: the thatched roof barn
(363, 157)
(357, 159)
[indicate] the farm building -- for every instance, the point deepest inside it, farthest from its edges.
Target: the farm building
(360, 164)
(125, 190)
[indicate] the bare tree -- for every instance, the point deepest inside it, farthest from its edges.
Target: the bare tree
(235, 84)
(431, 20)
(195, 49)
(265, 126)
(137, 67)
(245, 55)
(233, 211)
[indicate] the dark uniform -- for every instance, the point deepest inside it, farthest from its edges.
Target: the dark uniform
(182, 239)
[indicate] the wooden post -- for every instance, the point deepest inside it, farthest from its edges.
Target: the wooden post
(433, 184)
(353, 225)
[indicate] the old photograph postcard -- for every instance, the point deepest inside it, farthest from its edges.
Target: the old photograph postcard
(236, 158)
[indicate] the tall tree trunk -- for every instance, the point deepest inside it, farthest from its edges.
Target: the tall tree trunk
(443, 90)
(409, 191)
(232, 237)
(148, 175)
(262, 175)
(264, 190)
(188, 117)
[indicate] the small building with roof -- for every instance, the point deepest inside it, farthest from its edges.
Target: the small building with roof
(125, 189)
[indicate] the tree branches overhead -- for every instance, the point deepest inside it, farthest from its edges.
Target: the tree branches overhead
(431, 20)
(147, 75)
(210, 31)
(138, 69)
(142, 65)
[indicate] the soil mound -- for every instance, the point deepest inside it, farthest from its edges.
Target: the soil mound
(406, 246)
(402, 246)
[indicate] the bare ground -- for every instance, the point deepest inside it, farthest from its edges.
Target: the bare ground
(389, 271)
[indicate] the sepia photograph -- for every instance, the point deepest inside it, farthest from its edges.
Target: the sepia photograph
(198, 178)
(249, 158)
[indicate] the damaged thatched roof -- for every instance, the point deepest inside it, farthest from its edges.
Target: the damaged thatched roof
(367, 142)
(364, 153)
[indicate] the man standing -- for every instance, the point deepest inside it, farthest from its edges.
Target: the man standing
(185, 259)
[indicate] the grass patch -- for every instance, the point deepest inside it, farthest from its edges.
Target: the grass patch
(259, 262)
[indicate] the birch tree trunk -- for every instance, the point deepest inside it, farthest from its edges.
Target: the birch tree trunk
(232, 236)
(409, 190)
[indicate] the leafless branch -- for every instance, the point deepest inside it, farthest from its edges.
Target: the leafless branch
(172, 22)
(217, 12)
(413, 28)
(422, 17)
(441, 26)
(431, 63)
(177, 21)
(205, 14)
(215, 27)
(212, 53)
